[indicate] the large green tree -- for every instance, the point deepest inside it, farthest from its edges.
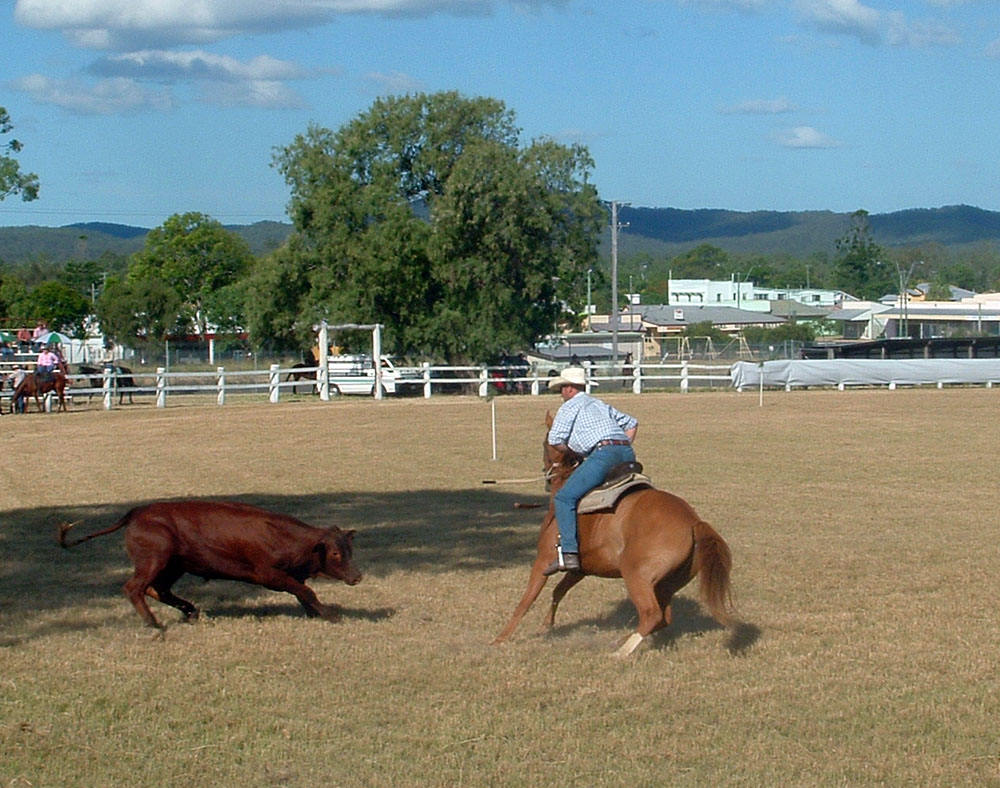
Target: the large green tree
(138, 311)
(861, 267)
(12, 180)
(196, 257)
(60, 306)
(425, 214)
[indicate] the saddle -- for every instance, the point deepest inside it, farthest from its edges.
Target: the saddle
(621, 479)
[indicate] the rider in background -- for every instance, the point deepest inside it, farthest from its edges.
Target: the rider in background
(47, 362)
(601, 435)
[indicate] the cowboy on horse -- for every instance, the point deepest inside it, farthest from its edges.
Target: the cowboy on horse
(652, 539)
(49, 375)
(599, 433)
(46, 364)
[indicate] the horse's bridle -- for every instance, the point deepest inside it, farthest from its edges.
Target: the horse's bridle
(556, 470)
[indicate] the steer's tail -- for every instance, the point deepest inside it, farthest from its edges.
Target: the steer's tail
(64, 528)
(713, 562)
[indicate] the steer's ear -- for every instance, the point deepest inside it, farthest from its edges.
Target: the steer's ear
(349, 535)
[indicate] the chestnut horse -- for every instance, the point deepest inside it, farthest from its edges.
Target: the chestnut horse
(31, 387)
(652, 539)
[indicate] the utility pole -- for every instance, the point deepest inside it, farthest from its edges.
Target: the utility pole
(589, 312)
(904, 297)
(615, 227)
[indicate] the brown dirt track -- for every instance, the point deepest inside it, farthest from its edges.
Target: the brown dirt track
(866, 567)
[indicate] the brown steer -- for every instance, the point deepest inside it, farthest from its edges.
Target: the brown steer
(230, 541)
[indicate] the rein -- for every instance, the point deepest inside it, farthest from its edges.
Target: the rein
(533, 479)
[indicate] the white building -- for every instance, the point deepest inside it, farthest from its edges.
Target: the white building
(747, 295)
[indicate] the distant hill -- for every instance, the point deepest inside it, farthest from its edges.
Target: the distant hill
(114, 230)
(89, 240)
(666, 232)
(660, 232)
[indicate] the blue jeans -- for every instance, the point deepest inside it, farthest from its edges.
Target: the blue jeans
(590, 473)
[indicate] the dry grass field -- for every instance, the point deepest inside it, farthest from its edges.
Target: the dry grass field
(863, 526)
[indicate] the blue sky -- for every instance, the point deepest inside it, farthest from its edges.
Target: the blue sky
(132, 110)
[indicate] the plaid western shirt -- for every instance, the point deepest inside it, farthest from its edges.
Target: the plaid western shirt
(582, 421)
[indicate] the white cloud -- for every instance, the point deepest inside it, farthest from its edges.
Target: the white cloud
(844, 17)
(223, 81)
(776, 106)
(254, 93)
(138, 24)
(125, 83)
(920, 34)
(392, 82)
(106, 97)
(746, 6)
(194, 64)
(805, 137)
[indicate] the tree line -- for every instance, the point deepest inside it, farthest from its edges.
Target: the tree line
(425, 213)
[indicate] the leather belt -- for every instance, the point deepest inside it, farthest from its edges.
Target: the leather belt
(610, 442)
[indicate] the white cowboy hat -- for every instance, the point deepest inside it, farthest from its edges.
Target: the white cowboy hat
(571, 376)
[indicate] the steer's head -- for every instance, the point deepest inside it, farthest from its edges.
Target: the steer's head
(336, 549)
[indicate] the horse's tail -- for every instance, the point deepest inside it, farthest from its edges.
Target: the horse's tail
(64, 528)
(713, 562)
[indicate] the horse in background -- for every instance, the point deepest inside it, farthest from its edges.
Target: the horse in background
(303, 371)
(653, 540)
(122, 380)
(31, 386)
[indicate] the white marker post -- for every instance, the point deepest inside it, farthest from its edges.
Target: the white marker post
(493, 413)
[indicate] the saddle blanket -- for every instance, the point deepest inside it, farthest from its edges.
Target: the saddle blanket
(607, 495)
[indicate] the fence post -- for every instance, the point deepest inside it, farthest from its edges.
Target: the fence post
(684, 376)
(222, 385)
(273, 387)
(323, 380)
(161, 387)
(534, 381)
(48, 402)
(637, 379)
(107, 387)
(427, 379)
(484, 382)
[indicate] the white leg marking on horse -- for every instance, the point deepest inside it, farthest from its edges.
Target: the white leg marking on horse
(630, 645)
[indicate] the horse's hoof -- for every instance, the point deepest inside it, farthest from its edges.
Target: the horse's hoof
(631, 644)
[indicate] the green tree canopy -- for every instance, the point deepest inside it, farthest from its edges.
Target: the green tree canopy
(60, 306)
(424, 214)
(138, 311)
(702, 262)
(861, 267)
(195, 256)
(12, 180)
(792, 330)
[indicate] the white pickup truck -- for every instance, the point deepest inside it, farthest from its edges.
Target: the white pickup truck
(356, 375)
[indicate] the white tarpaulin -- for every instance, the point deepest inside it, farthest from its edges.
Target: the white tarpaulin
(865, 372)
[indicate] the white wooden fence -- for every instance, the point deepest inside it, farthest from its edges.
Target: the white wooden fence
(426, 379)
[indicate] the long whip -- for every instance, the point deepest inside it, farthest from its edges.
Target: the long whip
(515, 481)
